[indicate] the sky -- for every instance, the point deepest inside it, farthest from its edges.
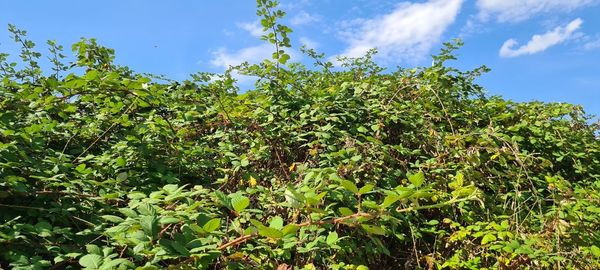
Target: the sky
(546, 50)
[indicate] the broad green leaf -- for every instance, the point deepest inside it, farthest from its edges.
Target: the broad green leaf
(270, 232)
(168, 220)
(239, 203)
(93, 249)
(180, 248)
(365, 189)
(212, 225)
(293, 198)
(458, 181)
(345, 211)
(91, 261)
(149, 225)
(488, 238)
(114, 219)
(146, 209)
(349, 186)
(389, 200)
(112, 264)
(244, 162)
(362, 129)
(595, 251)
(417, 179)
(289, 229)
(372, 229)
(284, 58)
(332, 238)
(128, 212)
(122, 176)
(276, 222)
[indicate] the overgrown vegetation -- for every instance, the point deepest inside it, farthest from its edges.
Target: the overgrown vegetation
(105, 168)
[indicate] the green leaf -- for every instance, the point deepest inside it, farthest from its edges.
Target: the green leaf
(270, 232)
(91, 261)
(114, 219)
(223, 199)
(365, 189)
(284, 58)
(345, 211)
(362, 129)
(289, 229)
(417, 179)
(146, 209)
(356, 158)
(112, 264)
(239, 203)
(122, 176)
(149, 225)
(595, 251)
(244, 162)
(168, 220)
(373, 229)
(458, 181)
(93, 249)
(389, 200)
(332, 238)
(180, 248)
(276, 222)
(293, 198)
(120, 162)
(488, 238)
(212, 225)
(349, 186)
(128, 212)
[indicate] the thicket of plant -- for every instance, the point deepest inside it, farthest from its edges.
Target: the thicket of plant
(316, 167)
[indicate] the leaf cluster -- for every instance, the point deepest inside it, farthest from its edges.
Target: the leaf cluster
(316, 167)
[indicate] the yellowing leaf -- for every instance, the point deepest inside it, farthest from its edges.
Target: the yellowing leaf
(488, 238)
(252, 181)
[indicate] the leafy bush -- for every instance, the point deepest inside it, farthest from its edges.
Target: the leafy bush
(105, 168)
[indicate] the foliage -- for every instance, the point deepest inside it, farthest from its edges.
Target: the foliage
(105, 168)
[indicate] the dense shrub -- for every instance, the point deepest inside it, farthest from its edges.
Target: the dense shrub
(350, 168)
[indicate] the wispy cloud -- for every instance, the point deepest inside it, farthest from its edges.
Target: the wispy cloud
(254, 28)
(519, 10)
(224, 58)
(592, 44)
(407, 33)
(541, 42)
(311, 44)
(302, 18)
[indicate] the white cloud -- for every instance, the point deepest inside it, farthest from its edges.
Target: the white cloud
(407, 33)
(592, 45)
(518, 10)
(254, 28)
(309, 43)
(539, 43)
(223, 58)
(303, 17)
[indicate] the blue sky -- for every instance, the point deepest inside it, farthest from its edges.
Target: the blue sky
(545, 50)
